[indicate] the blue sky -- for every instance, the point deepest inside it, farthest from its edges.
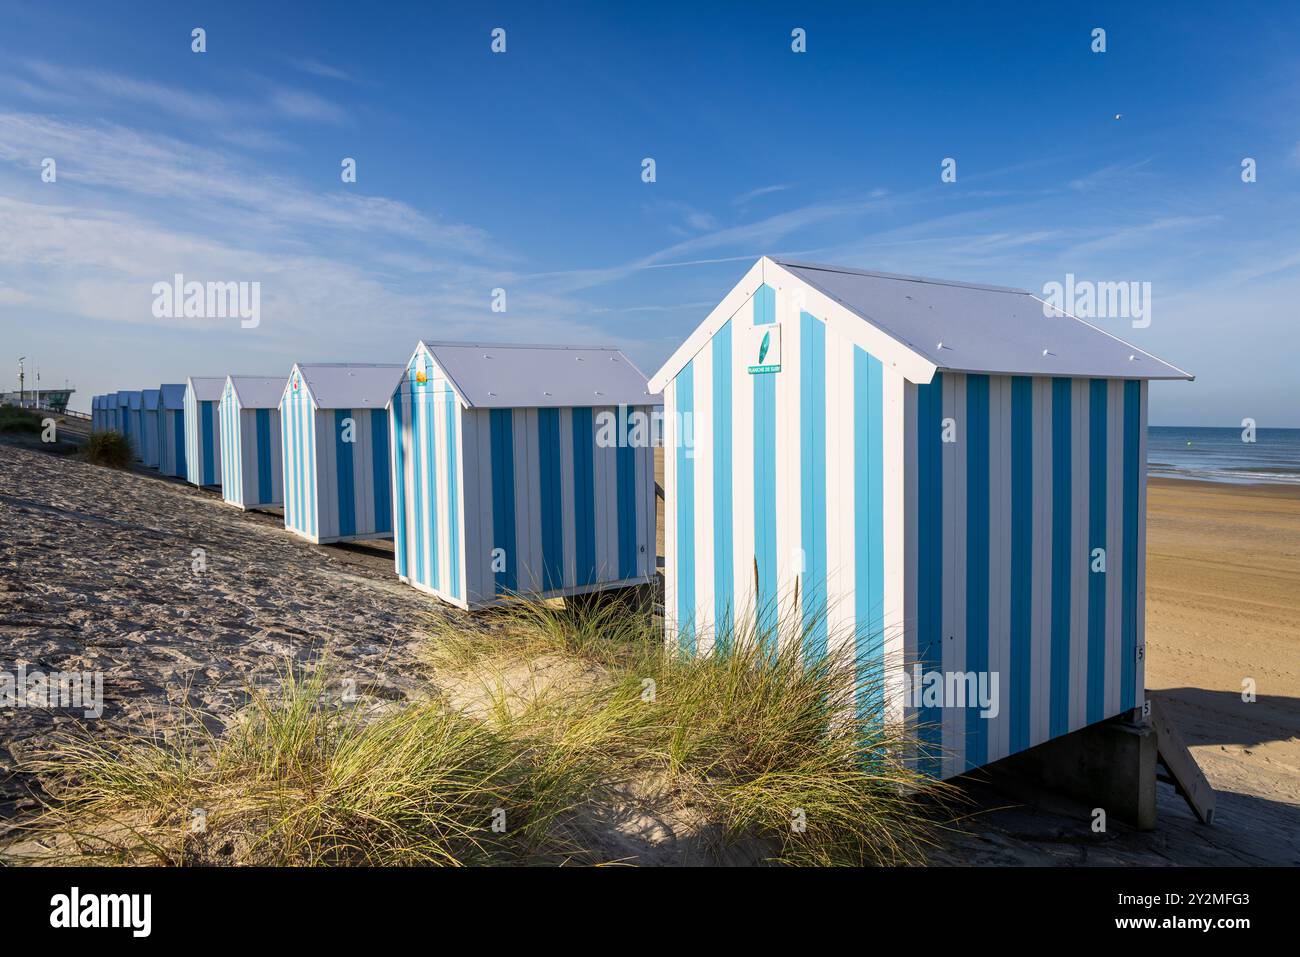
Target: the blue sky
(523, 171)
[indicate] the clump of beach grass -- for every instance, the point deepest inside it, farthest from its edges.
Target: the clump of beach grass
(541, 718)
(18, 420)
(760, 738)
(108, 448)
(300, 780)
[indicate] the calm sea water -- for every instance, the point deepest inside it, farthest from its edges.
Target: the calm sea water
(1219, 455)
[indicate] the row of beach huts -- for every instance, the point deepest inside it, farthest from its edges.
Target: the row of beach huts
(496, 469)
(950, 477)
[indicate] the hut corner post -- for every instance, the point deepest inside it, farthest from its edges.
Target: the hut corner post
(1110, 765)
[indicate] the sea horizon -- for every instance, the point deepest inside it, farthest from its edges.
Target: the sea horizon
(1223, 454)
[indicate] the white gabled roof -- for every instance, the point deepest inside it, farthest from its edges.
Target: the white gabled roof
(347, 385)
(497, 375)
(921, 326)
(256, 391)
(207, 388)
(173, 395)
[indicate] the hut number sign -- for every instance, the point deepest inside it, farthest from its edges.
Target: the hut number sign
(764, 349)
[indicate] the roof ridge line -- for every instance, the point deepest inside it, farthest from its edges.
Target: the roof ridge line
(901, 277)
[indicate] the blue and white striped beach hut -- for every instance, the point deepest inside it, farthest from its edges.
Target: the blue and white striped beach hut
(128, 413)
(522, 470)
(335, 448)
(171, 430)
(149, 403)
(251, 449)
(135, 422)
(951, 477)
(202, 430)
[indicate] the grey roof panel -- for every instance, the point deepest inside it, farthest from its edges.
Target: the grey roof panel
(511, 376)
(257, 391)
(344, 385)
(988, 329)
(173, 395)
(207, 388)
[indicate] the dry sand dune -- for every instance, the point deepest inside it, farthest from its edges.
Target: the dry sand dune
(97, 574)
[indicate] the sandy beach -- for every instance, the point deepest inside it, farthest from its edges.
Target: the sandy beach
(1223, 607)
(97, 573)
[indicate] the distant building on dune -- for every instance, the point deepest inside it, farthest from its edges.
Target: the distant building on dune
(56, 400)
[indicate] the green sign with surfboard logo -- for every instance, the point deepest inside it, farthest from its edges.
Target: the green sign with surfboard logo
(765, 349)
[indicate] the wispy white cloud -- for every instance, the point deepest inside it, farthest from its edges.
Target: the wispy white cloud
(101, 265)
(68, 86)
(762, 236)
(1111, 176)
(9, 296)
(341, 270)
(319, 68)
(301, 105)
(660, 307)
(85, 84)
(692, 220)
(248, 138)
(754, 194)
(1139, 233)
(210, 184)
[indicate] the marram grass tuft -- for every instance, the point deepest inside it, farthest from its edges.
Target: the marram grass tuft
(765, 741)
(541, 720)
